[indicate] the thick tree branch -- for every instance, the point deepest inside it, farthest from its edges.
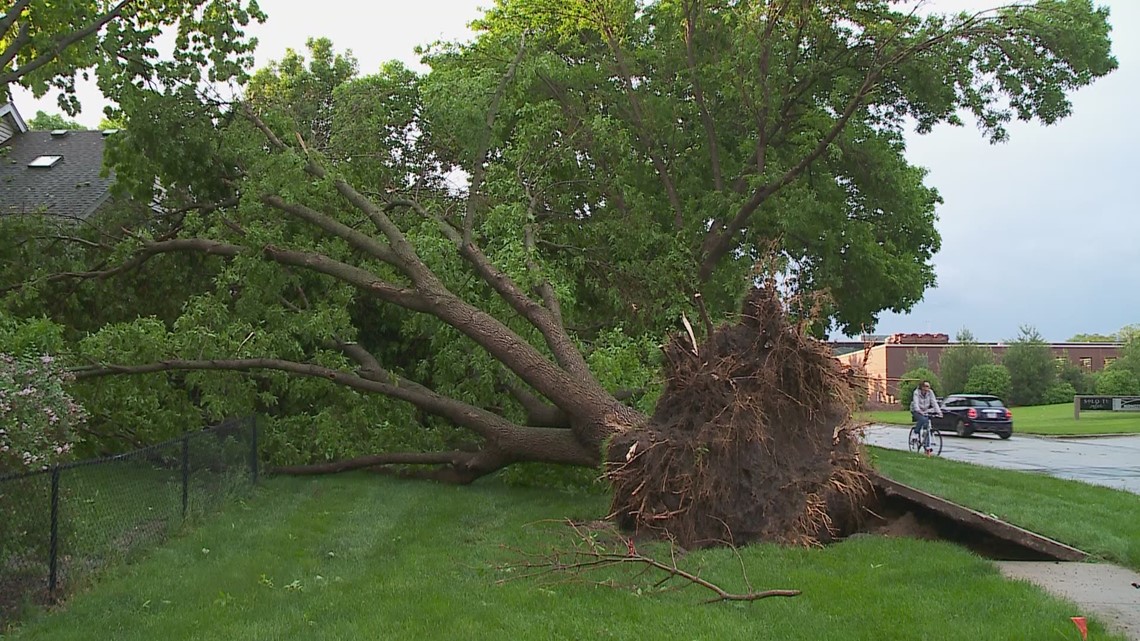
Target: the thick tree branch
(484, 423)
(370, 366)
(65, 41)
(455, 467)
(372, 460)
(11, 15)
(350, 274)
(358, 240)
(507, 441)
(23, 37)
(360, 278)
(150, 250)
(538, 412)
(547, 321)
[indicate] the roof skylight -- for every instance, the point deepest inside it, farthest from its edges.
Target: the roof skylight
(43, 162)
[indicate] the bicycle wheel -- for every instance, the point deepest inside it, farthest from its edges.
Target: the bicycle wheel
(914, 441)
(935, 442)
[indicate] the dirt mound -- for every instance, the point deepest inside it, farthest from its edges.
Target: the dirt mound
(751, 440)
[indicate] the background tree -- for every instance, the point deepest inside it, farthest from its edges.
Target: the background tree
(1118, 382)
(1075, 376)
(44, 121)
(1031, 367)
(957, 360)
(989, 378)
(1129, 359)
(1093, 338)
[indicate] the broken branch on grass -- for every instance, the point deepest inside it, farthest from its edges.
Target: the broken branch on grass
(589, 554)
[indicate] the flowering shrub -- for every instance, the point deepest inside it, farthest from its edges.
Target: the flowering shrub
(38, 419)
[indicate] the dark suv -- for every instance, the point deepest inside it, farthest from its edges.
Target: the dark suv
(969, 413)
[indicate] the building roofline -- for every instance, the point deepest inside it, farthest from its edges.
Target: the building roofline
(10, 108)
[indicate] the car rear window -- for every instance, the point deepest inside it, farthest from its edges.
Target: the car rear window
(988, 402)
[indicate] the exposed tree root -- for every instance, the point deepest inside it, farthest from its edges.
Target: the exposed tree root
(751, 440)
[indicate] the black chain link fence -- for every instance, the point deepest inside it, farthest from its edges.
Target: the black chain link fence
(60, 526)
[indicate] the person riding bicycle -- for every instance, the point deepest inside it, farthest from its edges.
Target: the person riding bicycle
(922, 406)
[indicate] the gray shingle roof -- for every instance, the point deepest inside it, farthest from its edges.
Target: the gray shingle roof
(71, 187)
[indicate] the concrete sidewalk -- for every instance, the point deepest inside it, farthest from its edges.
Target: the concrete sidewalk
(1102, 590)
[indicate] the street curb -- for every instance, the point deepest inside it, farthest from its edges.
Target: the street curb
(1077, 437)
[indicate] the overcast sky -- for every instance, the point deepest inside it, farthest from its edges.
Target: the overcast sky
(1043, 230)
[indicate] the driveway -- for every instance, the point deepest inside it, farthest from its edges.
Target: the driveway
(1112, 461)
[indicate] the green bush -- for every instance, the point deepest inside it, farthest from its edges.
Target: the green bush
(1060, 392)
(911, 380)
(989, 379)
(1117, 382)
(1074, 375)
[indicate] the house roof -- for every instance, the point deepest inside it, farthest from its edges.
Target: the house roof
(70, 187)
(8, 110)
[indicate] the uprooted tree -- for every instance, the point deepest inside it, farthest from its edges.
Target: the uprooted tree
(480, 241)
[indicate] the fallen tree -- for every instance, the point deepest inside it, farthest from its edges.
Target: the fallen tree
(615, 165)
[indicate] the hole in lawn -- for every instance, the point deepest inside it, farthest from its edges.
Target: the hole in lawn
(897, 516)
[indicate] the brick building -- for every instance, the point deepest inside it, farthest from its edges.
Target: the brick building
(884, 358)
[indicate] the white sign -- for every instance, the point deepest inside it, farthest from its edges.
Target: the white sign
(1126, 404)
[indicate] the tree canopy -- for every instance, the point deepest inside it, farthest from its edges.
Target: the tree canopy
(1031, 365)
(48, 44)
(960, 359)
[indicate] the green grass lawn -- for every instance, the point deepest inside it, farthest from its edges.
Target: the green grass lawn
(1049, 420)
(1102, 521)
(107, 513)
(362, 557)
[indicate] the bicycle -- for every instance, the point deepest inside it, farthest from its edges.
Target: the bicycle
(927, 439)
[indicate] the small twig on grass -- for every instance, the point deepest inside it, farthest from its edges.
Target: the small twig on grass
(590, 554)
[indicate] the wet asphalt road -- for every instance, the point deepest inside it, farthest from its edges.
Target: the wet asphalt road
(1112, 461)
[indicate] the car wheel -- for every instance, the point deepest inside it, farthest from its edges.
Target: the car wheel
(1004, 435)
(962, 430)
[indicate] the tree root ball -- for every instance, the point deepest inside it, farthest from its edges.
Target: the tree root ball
(752, 440)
